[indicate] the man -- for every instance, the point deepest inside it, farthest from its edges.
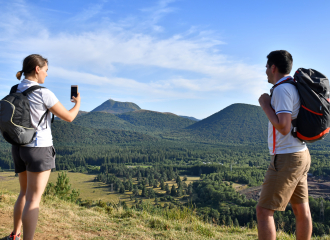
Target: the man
(286, 177)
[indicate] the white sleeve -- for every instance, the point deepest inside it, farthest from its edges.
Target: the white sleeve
(282, 100)
(48, 97)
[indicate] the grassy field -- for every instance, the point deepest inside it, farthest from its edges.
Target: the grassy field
(63, 220)
(89, 189)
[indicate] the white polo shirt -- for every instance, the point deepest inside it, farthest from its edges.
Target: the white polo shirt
(285, 99)
(40, 100)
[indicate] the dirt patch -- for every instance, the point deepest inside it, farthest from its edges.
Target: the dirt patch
(251, 193)
(316, 189)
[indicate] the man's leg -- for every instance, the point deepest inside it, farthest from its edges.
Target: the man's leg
(19, 205)
(266, 224)
(36, 184)
(303, 221)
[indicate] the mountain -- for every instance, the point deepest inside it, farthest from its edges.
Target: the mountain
(81, 113)
(155, 121)
(191, 118)
(239, 123)
(111, 106)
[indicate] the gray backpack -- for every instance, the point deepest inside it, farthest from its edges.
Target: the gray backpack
(15, 118)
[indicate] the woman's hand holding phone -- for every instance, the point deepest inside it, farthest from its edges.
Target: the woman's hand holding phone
(76, 99)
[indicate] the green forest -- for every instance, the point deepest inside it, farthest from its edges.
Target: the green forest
(140, 150)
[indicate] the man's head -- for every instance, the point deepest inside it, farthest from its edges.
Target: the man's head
(278, 65)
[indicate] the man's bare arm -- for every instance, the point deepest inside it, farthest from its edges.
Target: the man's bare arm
(281, 121)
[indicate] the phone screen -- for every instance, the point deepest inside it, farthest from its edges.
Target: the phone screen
(74, 91)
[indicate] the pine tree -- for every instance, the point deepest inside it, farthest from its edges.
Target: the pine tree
(167, 189)
(162, 185)
(144, 191)
(173, 191)
(122, 189)
(236, 224)
(229, 221)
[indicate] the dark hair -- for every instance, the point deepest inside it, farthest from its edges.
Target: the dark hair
(30, 63)
(282, 60)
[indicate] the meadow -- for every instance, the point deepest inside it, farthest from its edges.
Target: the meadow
(89, 189)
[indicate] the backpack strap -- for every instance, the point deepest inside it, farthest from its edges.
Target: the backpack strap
(13, 89)
(288, 80)
(294, 122)
(31, 89)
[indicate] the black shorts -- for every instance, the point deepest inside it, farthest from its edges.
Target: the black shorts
(33, 159)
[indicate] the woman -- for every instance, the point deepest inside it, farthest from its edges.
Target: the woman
(34, 161)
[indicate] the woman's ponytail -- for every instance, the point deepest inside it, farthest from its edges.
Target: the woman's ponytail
(30, 63)
(19, 75)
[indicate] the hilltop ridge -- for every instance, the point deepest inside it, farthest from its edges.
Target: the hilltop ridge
(60, 219)
(112, 106)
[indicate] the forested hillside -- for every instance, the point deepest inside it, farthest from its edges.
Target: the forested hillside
(156, 121)
(105, 120)
(66, 134)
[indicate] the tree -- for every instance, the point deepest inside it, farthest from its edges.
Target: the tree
(179, 192)
(130, 187)
(178, 179)
(122, 189)
(173, 191)
(144, 191)
(229, 221)
(236, 224)
(162, 185)
(167, 189)
(135, 190)
(185, 178)
(62, 188)
(155, 184)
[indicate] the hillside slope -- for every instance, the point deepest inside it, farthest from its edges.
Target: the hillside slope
(155, 121)
(70, 134)
(105, 120)
(63, 220)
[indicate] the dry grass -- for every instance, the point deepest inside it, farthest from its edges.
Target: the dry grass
(64, 220)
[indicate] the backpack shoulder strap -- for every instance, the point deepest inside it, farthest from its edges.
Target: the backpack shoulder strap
(13, 89)
(31, 89)
(289, 80)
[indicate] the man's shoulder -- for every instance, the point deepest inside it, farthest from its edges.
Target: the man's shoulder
(286, 88)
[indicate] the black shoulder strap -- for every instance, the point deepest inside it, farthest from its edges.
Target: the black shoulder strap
(31, 89)
(13, 89)
(289, 80)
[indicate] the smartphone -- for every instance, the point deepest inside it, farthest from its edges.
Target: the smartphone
(74, 92)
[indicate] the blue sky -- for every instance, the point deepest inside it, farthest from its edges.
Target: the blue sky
(188, 57)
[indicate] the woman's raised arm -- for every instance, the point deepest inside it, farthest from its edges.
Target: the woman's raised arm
(67, 115)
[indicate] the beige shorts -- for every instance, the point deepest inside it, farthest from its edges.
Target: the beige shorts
(285, 180)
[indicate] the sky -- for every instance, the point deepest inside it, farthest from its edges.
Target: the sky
(188, 57)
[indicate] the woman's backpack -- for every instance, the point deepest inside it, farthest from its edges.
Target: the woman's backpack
(15, 118)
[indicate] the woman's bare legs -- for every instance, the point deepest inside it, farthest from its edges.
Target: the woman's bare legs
(20, 203)
(36, 184)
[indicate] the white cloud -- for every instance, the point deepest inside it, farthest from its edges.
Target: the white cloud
(91, 56)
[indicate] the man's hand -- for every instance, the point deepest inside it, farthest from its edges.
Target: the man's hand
(282, 121)
(264, 100)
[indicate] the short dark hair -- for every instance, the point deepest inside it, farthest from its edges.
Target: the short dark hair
(30, 63)
(281, 59)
